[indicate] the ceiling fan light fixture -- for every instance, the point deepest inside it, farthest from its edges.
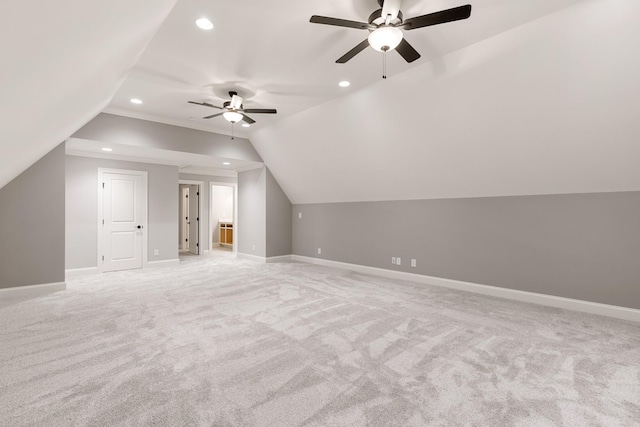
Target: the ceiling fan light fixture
(232, 116)
(385, 38)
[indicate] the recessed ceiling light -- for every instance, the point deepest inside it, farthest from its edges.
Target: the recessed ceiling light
(136, 101)
(107, 149)
(226, 163)
(246, 125)
(204, 23)
(344, 83)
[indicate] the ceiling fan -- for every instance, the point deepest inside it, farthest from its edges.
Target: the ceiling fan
(233, 110)
(385, 27)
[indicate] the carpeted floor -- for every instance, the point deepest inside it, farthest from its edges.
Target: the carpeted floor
(229, 342)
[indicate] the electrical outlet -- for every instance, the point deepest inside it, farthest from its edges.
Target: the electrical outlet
(398, 261)
(413, 263)
(393, 260)
(319, 251)
(156, 252)
(300, 215)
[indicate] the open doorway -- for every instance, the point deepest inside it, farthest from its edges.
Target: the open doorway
(189, 218)
(223, 218)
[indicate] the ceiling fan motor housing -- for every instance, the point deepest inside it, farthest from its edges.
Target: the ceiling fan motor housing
(227, 105)
(376, 18)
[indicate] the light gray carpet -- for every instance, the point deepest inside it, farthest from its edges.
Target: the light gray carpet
(232, 343)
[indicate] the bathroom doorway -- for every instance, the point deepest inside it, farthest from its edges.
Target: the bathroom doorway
(223, 218)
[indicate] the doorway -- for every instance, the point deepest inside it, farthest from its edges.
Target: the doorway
(122, 219)
(223, 218)
(189, 217)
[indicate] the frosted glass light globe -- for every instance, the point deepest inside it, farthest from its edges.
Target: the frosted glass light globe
(232, 116)
(389, 37)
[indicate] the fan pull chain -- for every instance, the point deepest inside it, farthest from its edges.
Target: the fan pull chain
(232, 137)
(384, 62)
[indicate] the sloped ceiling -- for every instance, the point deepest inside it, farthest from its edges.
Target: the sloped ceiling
(62, 61)
(274, 57)
(549, 107)
(526, 97)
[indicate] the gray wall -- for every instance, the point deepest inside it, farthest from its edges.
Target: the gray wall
(204, 201)
(32, 236)
(582, 246)
(252, 212)
(82, 209)
(142, 133)
(278, 212)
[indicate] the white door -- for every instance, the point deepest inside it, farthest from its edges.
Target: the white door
(194, 220)
(124, 218)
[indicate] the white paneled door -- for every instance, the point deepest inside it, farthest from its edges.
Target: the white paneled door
(124, 219)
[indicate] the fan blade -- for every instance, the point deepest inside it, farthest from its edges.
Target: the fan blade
(205, 104)
(213, 115)
(247, 119)
(449, 15)
(236, 102)
(407, 51)
(391, 7)
(340, 22)
(353, 52)
(260, 110)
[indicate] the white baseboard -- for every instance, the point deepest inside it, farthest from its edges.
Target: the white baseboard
(32, 290)
(88, 271)
(281, 258)
(164, 263)
(78, 272)
(265, 260)
(624, 313)
(249, 257)
(205, 252)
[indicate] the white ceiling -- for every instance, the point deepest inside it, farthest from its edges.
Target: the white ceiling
(272, 55)
(550, 107)
(525, 97)
(60, 63)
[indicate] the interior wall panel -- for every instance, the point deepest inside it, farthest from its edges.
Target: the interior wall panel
(581, 246)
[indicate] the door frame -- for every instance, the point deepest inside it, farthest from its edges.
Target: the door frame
(182, 223)
(234, 247)
(145, 212)
(200, 185)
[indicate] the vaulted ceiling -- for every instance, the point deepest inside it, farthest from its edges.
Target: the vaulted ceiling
(525, 97)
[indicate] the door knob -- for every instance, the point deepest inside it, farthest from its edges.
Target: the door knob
(139, 227)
